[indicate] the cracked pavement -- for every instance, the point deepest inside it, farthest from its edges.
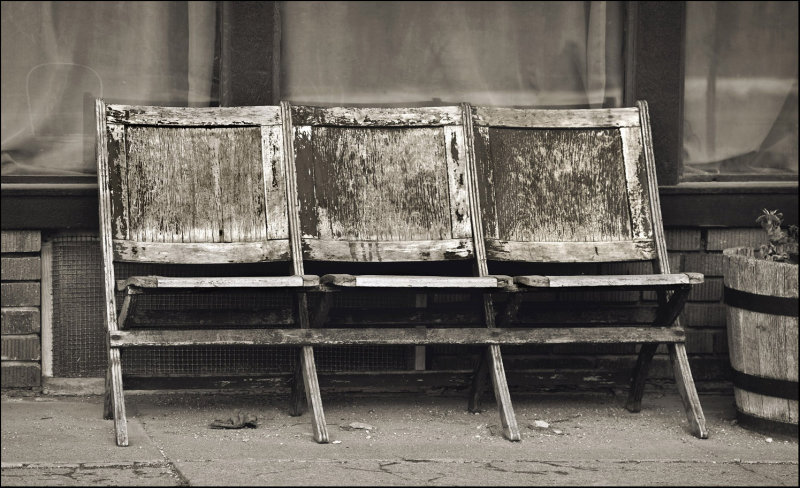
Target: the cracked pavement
(590, 439)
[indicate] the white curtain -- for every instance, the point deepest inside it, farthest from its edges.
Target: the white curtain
(57, 57)
(740, 94)
(488, 53)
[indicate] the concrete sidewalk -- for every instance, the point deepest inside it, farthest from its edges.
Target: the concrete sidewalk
(415, 440)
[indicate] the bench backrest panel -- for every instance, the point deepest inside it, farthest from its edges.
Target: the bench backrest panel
(382, 184)
(196, 186)
(563, 186)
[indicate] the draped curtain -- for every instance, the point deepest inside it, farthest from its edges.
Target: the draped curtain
(57, 57)
(487, 53)
(740, 92)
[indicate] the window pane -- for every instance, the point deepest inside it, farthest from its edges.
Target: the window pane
(57, 57)
(490, 53)
(740, 95)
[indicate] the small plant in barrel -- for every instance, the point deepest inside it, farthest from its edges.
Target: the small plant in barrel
(781, 245)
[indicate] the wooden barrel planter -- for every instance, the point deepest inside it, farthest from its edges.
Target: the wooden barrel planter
(762, 316)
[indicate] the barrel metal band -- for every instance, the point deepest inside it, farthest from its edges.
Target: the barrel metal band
(761, 303)
(766, 386)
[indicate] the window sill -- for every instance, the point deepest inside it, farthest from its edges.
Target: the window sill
(74, 204)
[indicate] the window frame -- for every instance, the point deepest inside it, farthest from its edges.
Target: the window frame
(250, 61)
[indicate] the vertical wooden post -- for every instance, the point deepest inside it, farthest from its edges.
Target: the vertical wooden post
(114, 375)
(307, 364)
(494, 357)
(677, 351)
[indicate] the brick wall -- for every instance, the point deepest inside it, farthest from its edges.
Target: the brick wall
(21, 309)
(690, 249)
(700, 250)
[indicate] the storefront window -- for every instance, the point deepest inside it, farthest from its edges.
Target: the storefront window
(556, 54)
(740, 93)
(58, 57)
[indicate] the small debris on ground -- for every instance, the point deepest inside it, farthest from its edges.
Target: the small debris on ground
(240, 421)
(357, 426)
(539, 424)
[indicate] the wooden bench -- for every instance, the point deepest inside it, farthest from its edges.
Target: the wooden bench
(561, 187)
(362, 195)
(192, 186)
(390, 185)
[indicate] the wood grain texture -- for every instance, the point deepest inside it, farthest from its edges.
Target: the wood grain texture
(569, 252)
(559, 185)
(550, 119)
(114, 383)
(272, 153)
(636, 180)
(219, 282)
(194, 116)
(762, 344)
(375, 117)
(584, 281)
(386, 251)
(457, 176)
(116, 158)
(377, 184)
(398, 336)
(196, 184)
(201, 253)
(382, 281)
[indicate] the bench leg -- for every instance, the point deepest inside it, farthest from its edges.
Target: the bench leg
(118, 400)
(501, 394)
(313, 395)
(297, 399)
(108, 403)
(479, 380)
(636, 392)
(308, 369)
(687, 390)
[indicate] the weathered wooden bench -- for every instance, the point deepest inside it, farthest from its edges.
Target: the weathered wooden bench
(347, 190)
(192, 186)
(561, 187)
(383, 185)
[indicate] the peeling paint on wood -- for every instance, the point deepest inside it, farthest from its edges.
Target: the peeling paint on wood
(196, 184)
(559, 185)
(405, 336)
(375, 117)
(201, 252)
(274, 182)
(373, 184)
(553, 119)
(569, 252)
(193, 116)
(386, 251)
(456, 154)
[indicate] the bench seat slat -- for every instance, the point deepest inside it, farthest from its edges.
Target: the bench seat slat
(219, 282)
(397, 336)
(676, 279)
(383, 281)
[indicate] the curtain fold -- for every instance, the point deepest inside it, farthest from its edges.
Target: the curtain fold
(488, 53)
(57, 57)
(740, 93)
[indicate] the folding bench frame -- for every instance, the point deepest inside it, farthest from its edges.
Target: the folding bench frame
(463, 128)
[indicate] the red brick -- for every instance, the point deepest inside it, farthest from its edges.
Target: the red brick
(21, 374)
(20, 241)
(19, 268)
(21, 347)
(22, 320)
